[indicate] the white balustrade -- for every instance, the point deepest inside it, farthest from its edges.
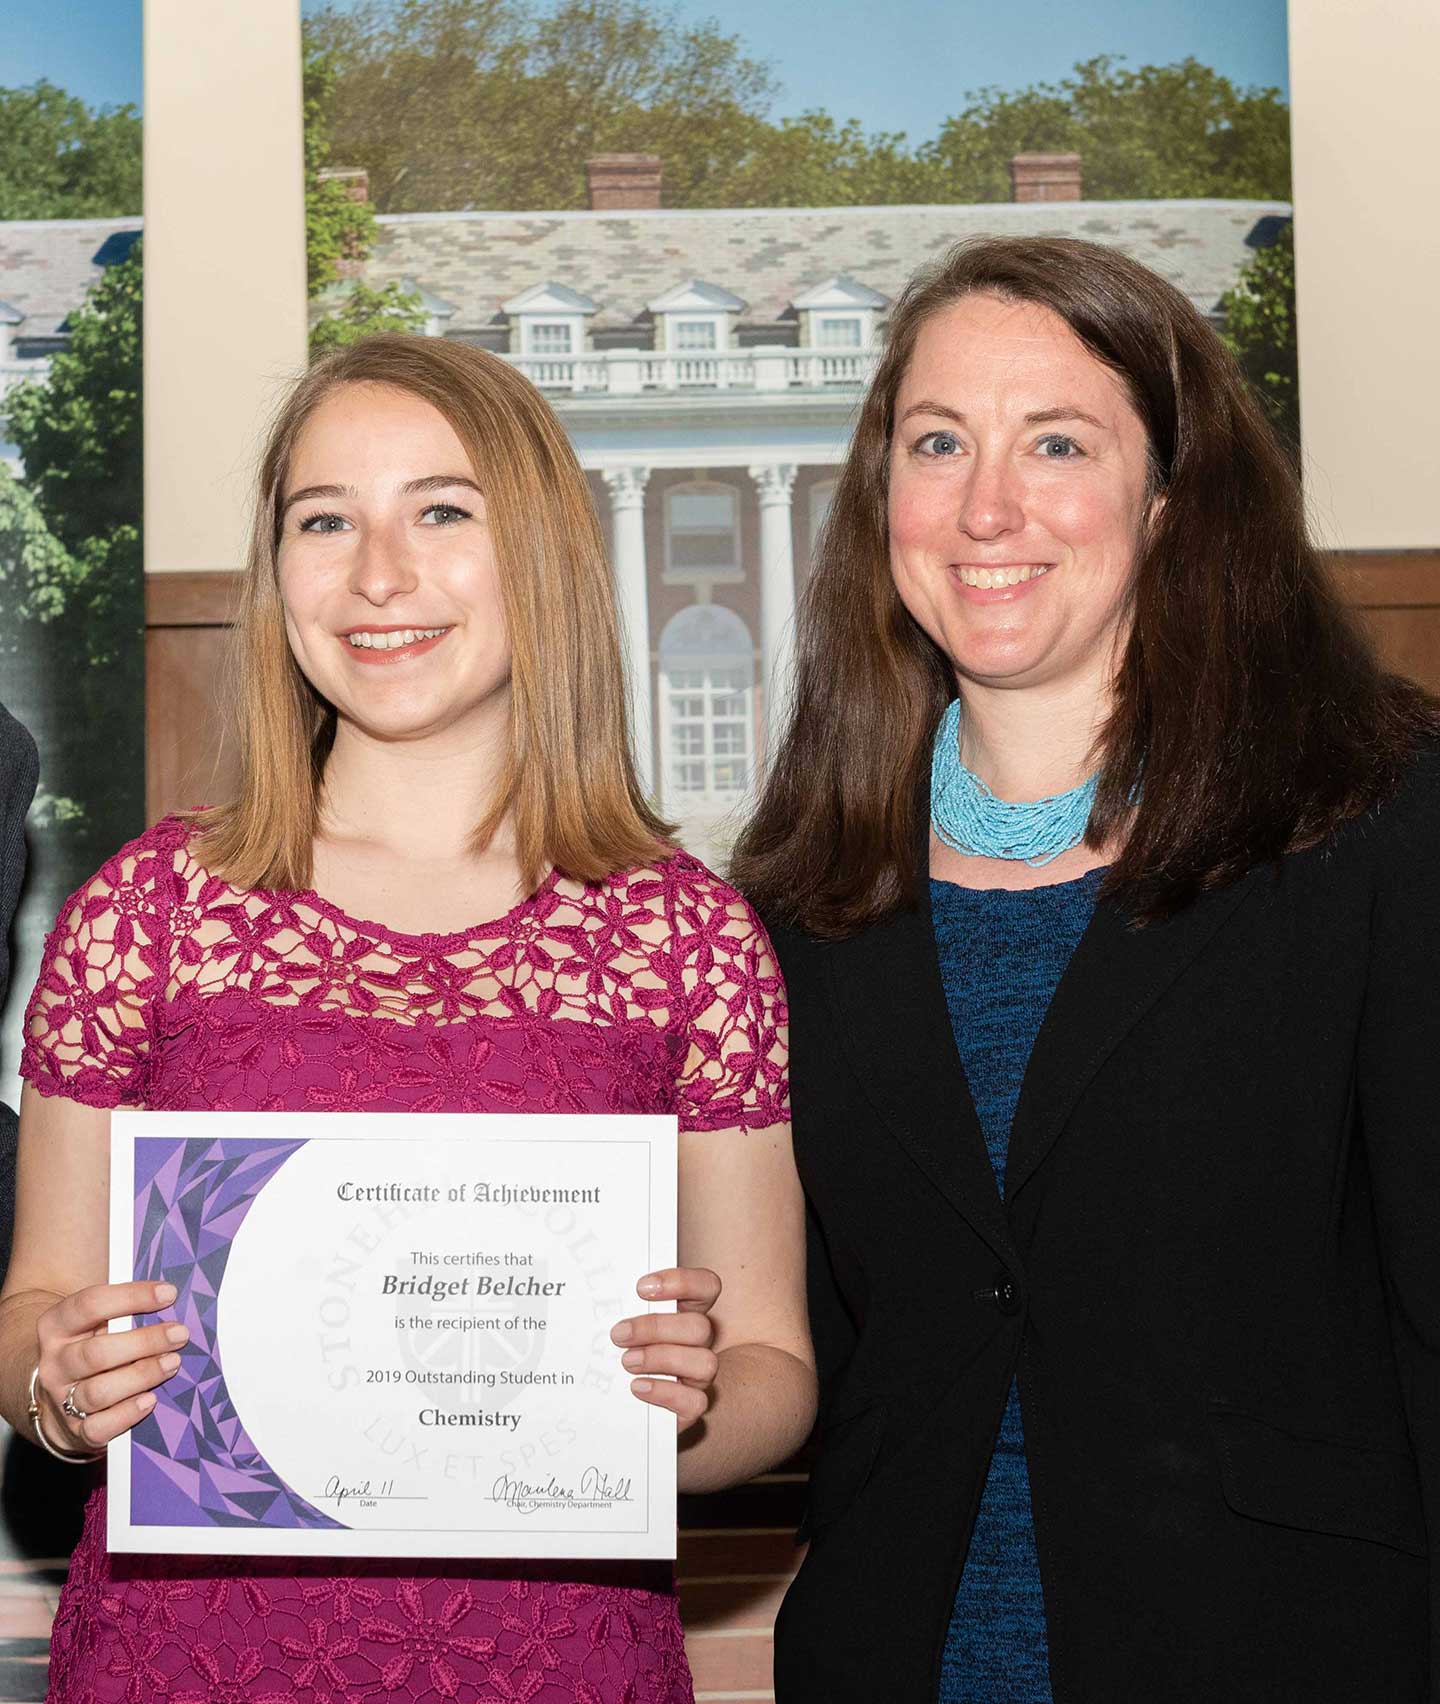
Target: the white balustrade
(626, 372)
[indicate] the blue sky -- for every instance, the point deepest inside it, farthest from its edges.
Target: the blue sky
(908, 75)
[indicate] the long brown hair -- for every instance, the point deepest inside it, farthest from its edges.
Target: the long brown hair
(568, 784)
(1246, 701)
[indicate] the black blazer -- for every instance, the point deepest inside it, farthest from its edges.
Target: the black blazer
(1217, 1274)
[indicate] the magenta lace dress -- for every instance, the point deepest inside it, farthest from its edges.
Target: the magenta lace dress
(164, 987)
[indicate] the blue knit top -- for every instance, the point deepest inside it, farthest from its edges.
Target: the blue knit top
(1002, 955)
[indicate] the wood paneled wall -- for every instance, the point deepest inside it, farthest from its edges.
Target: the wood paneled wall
(1398, 595)
(186, 615)
(187, 760)
(737, 1552)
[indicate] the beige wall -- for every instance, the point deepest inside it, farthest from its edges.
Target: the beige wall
(224, 262)
(1364, 76)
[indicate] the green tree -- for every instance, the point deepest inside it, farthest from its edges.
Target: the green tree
(1165, 131)
(337, 226)
(339, 232)
(1260, 328)
(497, 103)
(813, 161)
(61, 160)
(75, 583)
(79, 435)
(360, 312)
(37, 573)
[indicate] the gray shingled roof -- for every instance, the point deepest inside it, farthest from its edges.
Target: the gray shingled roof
(770, 256)
(47, 265)
(624, 260)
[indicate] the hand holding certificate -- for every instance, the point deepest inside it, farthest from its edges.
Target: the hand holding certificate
(399, 1334)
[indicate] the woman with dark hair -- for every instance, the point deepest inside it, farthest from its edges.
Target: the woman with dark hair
(1101, 860)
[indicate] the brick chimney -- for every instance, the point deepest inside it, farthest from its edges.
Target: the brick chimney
(619, 183)
(1045, 177)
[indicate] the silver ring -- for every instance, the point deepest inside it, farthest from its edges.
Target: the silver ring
(68, 1406)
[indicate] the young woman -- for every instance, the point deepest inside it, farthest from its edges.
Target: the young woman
(1103, 863)
(432, 733)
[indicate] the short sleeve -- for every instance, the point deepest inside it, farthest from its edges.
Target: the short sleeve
(89, 1023)
(736, 1069)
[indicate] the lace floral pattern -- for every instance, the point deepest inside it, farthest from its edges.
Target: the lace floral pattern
(165, 987)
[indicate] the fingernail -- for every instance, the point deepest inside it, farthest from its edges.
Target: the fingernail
(650, 1286)
(622, 1332)
(641, 1387)
(176, 1334)
(633, 1358)
(165, 1294)
(146, 1402)
(168, 1363)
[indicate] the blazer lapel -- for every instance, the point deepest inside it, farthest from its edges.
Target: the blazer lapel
(1117, 974)
(887, 988)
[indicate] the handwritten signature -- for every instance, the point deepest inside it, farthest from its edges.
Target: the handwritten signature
(525, 1496)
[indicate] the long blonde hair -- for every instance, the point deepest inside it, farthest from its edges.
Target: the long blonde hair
(568, 784)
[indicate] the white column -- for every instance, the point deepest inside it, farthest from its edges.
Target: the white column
(774, 482)
(626, 486)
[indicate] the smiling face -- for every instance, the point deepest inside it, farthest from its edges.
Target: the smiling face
(387, 568)
(1018, 479)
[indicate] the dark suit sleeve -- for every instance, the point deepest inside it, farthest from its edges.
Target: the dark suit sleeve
(19, 772)
(1398, 1088)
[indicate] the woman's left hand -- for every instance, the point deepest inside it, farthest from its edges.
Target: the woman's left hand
(674, 1344)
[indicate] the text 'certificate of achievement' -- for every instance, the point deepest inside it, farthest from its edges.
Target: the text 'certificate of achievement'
(399, 1334)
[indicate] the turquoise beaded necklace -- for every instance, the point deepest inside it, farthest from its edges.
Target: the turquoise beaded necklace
(968, 817)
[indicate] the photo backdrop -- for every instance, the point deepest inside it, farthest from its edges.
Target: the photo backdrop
(620, 199)
(688, 235)
(625, 201)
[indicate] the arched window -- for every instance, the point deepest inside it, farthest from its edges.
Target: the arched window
(707, 710)
(702, 530)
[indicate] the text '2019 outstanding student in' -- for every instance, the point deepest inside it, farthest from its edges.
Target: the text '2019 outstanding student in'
(1103, 864)
(433, 728)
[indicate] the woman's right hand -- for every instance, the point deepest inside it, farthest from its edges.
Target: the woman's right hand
(110, 1375)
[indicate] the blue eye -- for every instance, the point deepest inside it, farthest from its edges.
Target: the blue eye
(324, 524)
(939, 444)
(444, 514)
(1068, 449)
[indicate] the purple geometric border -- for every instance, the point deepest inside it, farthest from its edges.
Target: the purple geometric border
(191, 1461)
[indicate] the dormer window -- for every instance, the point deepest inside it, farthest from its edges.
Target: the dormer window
(839, 331)
(695, 318)
(696, 336)
(548, 323)
(840, 315)
(549, 337)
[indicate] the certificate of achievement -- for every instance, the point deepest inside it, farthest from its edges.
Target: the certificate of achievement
(399, 1334)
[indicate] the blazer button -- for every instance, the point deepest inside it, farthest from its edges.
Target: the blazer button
(1004, 1294)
